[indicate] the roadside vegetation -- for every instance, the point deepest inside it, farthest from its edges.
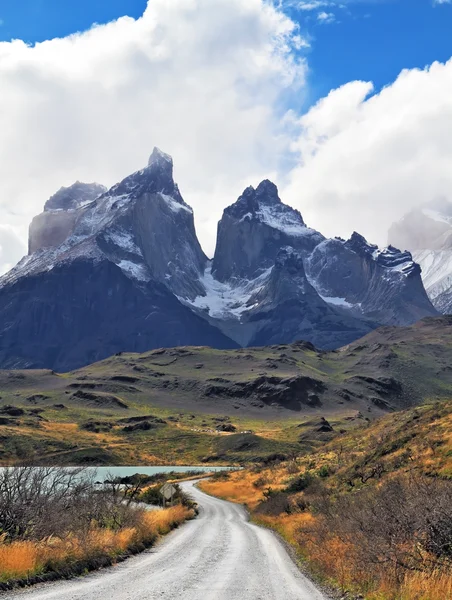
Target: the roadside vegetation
(56, 522)
(370, 513)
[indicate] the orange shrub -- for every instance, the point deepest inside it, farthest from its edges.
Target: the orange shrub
(18, 559)
(22, 559)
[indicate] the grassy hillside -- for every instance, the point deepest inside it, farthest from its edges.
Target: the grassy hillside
(370, 511)
(188, 405)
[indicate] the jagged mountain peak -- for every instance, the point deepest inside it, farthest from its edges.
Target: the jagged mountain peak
(267, 192)
(160, 158)
(74, 196)
(264, 204)
(156, 177)
(389, 257)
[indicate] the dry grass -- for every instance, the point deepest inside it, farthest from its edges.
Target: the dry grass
(245, 487)
(431, 586)
(19, 560)
(415, 441)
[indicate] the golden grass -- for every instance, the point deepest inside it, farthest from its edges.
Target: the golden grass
(430, 586)
(22, 559)
(424, 434)
(240, 486)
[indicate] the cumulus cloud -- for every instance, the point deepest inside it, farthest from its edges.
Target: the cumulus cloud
(326, 17)
(366, 158)
(201, 79)
(209, 81)
(312, 5)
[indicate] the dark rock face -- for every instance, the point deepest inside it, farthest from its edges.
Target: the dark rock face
(123, 270)
(382, 286)
(288, 308)
(253, 231)
(80, 313)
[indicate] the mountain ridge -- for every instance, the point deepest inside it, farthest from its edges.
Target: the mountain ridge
(272, 278)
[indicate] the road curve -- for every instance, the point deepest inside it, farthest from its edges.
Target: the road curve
(218, 556)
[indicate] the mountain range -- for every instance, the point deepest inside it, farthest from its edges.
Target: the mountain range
(122, 269)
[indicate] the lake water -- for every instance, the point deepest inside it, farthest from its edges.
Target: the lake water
(102, 473)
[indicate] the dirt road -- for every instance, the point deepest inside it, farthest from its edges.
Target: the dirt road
(218, 556)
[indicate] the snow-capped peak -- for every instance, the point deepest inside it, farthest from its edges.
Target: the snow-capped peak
(264, 205)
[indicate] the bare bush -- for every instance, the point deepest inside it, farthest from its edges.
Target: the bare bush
(37, 502)
(403, 526)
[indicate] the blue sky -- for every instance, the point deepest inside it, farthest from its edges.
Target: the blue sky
(210, 82)
(370, 40)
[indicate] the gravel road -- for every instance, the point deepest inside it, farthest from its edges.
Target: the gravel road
(218, 556)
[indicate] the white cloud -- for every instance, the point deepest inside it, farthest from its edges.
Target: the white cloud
(325, 17)
(442, 1)
(202, 79)
(205, 80)
(313, 5)
(367, 158)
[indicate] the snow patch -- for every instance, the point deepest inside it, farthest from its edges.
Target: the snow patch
(174, 205)
(341, 302)
(226, 300)
(436, 268)
(284, 219)
(134, 270)
(124, 240)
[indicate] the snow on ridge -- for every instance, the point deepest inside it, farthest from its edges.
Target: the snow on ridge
(134, 270)
(174, 205)
(284, 219)
(226, 300)
(124, 240)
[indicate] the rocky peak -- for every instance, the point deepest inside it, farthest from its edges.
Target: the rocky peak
(267, 193)
(161, 159)
(141, 224)
(254, 203)
(360, 245)
(254, 229)
(156, 178)
(76, 195)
